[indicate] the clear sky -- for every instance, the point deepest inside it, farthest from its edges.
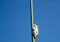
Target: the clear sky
(15, 20)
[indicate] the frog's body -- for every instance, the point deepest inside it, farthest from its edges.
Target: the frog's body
(35, 30)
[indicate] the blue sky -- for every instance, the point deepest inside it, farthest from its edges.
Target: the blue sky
(15, 20)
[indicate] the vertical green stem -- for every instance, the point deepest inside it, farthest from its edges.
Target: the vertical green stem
(32, 17)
